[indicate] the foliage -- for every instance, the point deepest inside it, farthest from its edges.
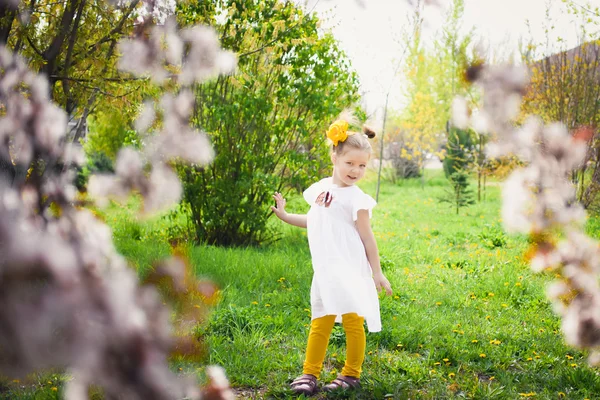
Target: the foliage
(459, 194)
(493, 236)
(96, 163)
(434, 77)
(565, 87)
(73, 44)
(404, 163)
(266, 123)
(109, 131)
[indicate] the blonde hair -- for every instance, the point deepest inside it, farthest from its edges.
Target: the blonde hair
(355, 140)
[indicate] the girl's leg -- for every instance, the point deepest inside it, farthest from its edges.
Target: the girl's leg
(318, 338)
(356, 344)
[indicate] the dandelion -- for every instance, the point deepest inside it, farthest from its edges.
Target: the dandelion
(569, 357)
(255, 303)
(482, 355)
(451, 375)
(474, 341)
(518, 284)
(267, 305)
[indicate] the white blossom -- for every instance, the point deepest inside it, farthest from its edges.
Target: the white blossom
(460, 113)
(146, 118)
(539, 199)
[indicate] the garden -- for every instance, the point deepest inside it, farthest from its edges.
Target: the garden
(142, 143)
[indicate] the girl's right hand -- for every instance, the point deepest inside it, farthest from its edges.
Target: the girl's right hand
(279, 210)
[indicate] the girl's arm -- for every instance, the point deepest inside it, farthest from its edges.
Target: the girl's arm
(363, 224)
(298, 220)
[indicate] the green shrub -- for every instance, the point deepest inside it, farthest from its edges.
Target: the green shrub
(492, 236)
(267, 122)
(109, 131)
(97, 162)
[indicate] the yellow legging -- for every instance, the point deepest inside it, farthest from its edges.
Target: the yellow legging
(318, 338)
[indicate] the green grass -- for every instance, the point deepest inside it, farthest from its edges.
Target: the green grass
(467, 319)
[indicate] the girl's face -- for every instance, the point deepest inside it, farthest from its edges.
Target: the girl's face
(349, 167)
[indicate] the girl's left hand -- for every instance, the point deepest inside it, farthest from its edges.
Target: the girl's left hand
(381, 283)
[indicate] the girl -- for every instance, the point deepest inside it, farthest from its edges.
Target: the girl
(347, 272)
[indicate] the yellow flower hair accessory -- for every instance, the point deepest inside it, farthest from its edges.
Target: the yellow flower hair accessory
(338, 131)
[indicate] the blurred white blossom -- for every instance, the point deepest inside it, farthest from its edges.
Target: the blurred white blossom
(69, 300)
(460, 113)
(539, 199)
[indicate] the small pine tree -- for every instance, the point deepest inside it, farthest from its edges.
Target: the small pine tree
(459, 194)
(460, 150)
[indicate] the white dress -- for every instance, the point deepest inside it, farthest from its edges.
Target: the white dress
(342, 281)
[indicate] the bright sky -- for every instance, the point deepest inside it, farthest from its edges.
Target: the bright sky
(370, 32)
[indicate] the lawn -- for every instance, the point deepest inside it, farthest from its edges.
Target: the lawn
(467, 318)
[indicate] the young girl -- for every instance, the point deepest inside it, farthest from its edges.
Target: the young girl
(347, 272)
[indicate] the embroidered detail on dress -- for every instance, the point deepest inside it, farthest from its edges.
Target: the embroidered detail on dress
(324, 199)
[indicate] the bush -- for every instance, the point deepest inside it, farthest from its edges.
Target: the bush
(109, 131)
(97, 162)
(267, 124)
(402, 160)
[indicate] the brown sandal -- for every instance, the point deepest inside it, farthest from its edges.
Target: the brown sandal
(342, 382)
(305, 384)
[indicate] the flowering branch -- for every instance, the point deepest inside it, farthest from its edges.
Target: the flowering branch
(68, 298)
(539, 199)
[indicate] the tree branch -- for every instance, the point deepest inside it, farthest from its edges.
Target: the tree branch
(585, 8)
(72, 79)
(278, 37)
(117, 29)
(10, 15)
(53, 49)
(72, 37)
